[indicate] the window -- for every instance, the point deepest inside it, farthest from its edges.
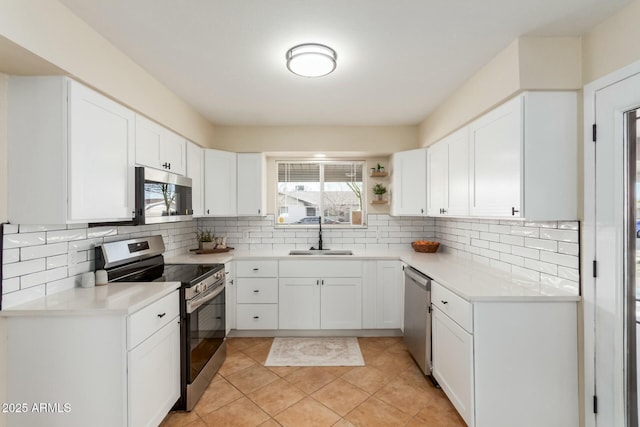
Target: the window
(333, 190)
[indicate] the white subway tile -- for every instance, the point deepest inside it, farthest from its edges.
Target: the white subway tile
(569, 225)
(10, 285)
(560, 283)
(490, 253)
(541, 224)
(96, 232)
(569, 248)
(76, 226)
(480, 243)
(544, 245)
(512, 259)
(525, 252)
(480, 226)
(42, 251)
(10, 229)
(22, 268)
(569, 273)
(526, 273)
(35, 279)
(569, 236)
(525, 231)
(20, 297)
(499, 265)
(10, 255)
(490, 236)
(570, 261)
(29, 228)
(500, 247)
(66, 235)
(57, 261)
(500, 229)
(481, 260)
(512, 240)
(83, 267)
(515, 222)
(22, 240)
(62, 285)
(543, 267)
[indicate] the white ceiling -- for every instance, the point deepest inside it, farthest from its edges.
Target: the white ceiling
(397, 60)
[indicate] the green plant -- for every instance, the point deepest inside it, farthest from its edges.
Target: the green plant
(380, 167)
(204, 236)
(379, 189)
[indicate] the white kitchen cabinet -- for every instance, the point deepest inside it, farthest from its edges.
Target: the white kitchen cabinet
(409, 183)
(220, 183)
(382, 295)
(112, 369)
(448, 175)
(320, 295)
(252, 184)
(256, 293)
(158, 147)
(500, 362)
(523, 158)
(195, 171)
(71, 154)
(230, 296)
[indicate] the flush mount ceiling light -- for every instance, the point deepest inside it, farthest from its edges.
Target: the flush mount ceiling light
(311, 60)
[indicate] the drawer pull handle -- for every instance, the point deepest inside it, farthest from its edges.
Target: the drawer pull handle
(218, 317)
(256, 317)
(255, 291)
(256, 269)
(444, 302)
(161, 315)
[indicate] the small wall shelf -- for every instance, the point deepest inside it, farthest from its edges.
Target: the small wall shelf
(379, 202)
(377, 174)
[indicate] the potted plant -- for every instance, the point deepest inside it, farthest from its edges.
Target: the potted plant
(379, 190)
(205, 240)
(380, 168)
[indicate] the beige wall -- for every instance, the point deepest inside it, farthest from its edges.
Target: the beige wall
(370, 182)
(372, 140)
(49, 30)
(3, 147)
(528, 63)
(612, 44)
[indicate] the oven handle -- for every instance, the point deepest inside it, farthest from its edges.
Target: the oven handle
(193, 305)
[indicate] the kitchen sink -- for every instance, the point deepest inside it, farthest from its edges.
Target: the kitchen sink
(321, 252)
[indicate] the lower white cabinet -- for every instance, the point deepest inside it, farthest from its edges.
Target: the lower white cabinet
(256, 294)
(87, 367)
(382, 295)
(230, 296)
(507, 363)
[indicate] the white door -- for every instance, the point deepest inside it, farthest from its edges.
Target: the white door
(409, 183)
(251, 184)
(495, 159)
(195, 171)
(458, 183)
(341, 303)
(220, 183)
(101, 173)
(173, 152)
(389, 294)
(438, 170)
(608, 238)
(148, 142)
(299, 303)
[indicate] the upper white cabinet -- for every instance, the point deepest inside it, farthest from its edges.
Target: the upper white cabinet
(448, 175)
(158, 147)
(252, 184)
(220, 183)
(195, 171)
(71, 154)
(523, 158)
(409, 183)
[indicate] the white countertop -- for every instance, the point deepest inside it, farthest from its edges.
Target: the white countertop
(112, 299)
(471, 281)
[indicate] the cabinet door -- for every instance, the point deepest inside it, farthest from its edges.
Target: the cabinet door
(195, 171)
(438, 169)
(148, 142)
(389, 295)
(230, 297)
(220, 183)
(299, 303)
(154, 376)
(251, 184)
(341, 303)
(458, 182)
(100, 152)
(496, 161)
(409, 183)
(452, 349)
(173, 152)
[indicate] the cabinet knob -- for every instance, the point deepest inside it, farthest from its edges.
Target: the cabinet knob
(231, 282)
(317, 282)
(513, 211)
(256, 291)
(161, 315)
(207, 211)
(169, 166)
(256, 269)
(256, 317)
(444, 302)
(444, 211)
(421, 210)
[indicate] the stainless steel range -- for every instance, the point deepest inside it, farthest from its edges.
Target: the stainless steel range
(202, 305)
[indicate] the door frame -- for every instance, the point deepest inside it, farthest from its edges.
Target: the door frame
(588, 254)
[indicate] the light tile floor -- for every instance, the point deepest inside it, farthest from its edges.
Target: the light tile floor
(389, 391)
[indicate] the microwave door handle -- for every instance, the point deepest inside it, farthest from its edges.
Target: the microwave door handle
(193, 306)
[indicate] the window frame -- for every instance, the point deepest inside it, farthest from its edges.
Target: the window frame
(321, 163)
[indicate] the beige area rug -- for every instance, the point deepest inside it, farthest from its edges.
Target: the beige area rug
(321, 351)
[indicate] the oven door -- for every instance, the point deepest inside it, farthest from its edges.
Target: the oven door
(205, 331)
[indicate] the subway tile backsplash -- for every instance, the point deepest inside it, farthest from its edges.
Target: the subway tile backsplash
(44, 259)
(40, 260)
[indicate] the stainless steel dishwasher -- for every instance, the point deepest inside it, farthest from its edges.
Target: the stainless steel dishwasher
(417, 317)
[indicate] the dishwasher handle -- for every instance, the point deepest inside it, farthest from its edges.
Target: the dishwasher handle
(418, 277)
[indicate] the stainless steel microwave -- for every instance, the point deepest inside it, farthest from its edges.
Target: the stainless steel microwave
(162, 197)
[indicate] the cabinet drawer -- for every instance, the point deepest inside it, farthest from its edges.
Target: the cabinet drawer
(459, 310)
(320, 269)
(143, 323)
(257, 290)
(257, 316)
(257, 268)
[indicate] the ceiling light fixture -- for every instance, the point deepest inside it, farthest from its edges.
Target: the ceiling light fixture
(311, 60)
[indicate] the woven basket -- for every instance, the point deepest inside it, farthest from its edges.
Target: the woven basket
(429, 247)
